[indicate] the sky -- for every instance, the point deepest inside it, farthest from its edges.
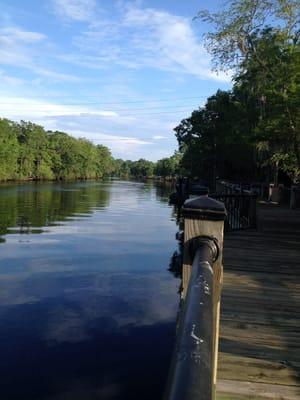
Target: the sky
(119, 73)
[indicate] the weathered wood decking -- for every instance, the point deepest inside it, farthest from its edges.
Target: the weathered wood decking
(259, 354)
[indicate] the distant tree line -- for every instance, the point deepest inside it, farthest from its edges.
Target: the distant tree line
(29, 152)
(167, 167)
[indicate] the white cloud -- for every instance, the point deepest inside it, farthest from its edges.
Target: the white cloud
(122, 145)
(10, 35)
(76, 10)
(10, 80)
(55, 76)
(14, 43)
(14, 55)
(16, 49)
(158, 137)
(145, 37)
(169, 42)
(20, 107)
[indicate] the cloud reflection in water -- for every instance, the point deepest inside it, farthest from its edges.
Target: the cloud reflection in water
(87, 309)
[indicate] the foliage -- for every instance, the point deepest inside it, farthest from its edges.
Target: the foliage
(142, 168)
(122, 168)
(169, 166)
(231, 41)
(27, 151)
(208, 137)
(257, 41)
(34, 161)
(105, 161)
(9, 149)
(276, 84)
(166, 167)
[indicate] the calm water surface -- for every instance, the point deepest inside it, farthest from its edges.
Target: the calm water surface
(87, 306)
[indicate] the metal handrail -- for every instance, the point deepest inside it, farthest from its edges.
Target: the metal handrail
(191, 373)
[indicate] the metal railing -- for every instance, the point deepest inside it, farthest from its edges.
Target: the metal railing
(241, 210)
(191, 374)
(240, 202)
(193, 371)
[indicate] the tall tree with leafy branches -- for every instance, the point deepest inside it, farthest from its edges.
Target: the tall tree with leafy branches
(257, 41)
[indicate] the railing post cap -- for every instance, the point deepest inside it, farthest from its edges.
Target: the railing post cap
(204, 207)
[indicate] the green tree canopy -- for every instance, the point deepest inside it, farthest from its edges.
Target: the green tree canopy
(169, 166)
(9, 149)
(27, 151)
(142, 168)
(208, 135)
(258, 42)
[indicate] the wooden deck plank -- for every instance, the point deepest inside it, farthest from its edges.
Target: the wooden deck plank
(254, 391)
(259, 354)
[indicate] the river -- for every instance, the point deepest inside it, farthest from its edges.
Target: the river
(87, 304)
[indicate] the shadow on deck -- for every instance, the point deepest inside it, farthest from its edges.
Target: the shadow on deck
(260, 331)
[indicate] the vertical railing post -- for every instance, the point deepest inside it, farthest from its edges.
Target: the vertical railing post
(293, 198)
(253, 211)
(204, 217)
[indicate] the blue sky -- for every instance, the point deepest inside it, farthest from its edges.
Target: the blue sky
(120, 73)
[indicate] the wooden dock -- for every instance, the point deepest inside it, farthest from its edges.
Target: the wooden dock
(259, 354)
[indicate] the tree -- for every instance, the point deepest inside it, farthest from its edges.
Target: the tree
(9, 150)
(208, 137)
(27, 151)
(277, 89)
(34, 158)
(231, 42)
(169, 166)
(87, 159)
(265, 64)
(64, 151)
(122, 168)
(105, 162)
(142, 168)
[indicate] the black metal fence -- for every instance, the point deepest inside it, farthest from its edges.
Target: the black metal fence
(241, 210)
(240, 201)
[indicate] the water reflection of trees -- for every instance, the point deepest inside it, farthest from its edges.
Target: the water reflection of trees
(29, 207)
(163, 191)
